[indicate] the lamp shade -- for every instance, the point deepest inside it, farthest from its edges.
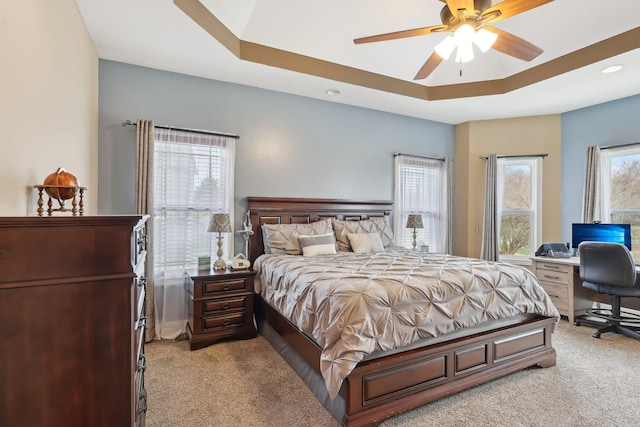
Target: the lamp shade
(220, 223)
(414, 221)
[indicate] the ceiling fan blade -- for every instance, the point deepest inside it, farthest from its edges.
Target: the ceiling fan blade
(428, 67)
(512, 45)
(401, 34)
(509, 8)
(455, 5)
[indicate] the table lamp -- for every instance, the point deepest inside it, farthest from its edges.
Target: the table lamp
(220, 223)
(414, 221)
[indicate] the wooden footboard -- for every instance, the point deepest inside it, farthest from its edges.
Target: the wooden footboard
(383, 387)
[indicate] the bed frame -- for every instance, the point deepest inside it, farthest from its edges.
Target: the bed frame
(382, 387)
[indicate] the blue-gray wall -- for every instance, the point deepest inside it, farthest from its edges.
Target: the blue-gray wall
(612, 123)
(293, 146)
(289, 146)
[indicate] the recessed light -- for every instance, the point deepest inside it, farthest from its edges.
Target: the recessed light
(332, 92)
(611, 69)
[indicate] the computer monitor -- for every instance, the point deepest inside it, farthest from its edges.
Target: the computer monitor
(616, 233)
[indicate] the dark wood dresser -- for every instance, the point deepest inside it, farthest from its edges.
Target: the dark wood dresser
(72, 321)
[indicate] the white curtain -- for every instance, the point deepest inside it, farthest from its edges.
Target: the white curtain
(144, 205)
(492, 210)
(592, 194)
(423, 186)
(193, 178)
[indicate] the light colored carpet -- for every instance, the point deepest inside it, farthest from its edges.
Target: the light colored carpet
(596, 382)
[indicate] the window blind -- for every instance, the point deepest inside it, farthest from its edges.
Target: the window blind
(422, 186)
(193, 178)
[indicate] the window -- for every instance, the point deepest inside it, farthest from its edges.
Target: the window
(520, 200)
(193, 178)
(621, 189)
(422, 186)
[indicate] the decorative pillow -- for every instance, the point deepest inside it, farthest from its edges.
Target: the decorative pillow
(320, 244)
(365, 242)
(378, 225)
(284, 238)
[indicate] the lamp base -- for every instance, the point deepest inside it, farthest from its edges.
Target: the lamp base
(219, 264)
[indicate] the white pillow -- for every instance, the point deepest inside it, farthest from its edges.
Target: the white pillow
(365, 242)
(319, 244)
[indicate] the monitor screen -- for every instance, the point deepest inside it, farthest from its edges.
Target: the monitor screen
(616, 233)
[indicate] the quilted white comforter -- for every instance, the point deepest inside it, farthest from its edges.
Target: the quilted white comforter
(355, 304)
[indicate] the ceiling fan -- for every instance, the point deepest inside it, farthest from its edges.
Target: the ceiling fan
(467, 20)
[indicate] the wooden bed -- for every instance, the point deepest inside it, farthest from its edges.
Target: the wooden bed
(382, 387)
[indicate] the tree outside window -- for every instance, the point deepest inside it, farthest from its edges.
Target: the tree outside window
(520, 224)
(624, 178)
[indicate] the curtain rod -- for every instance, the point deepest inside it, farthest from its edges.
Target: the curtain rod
(607, 147)
(422, 157)
(516, 156)
(208, 132)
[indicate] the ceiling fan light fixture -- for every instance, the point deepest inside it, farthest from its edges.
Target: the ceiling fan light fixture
(464, 35)
(445, 48)
(464, 53)
(484, 39)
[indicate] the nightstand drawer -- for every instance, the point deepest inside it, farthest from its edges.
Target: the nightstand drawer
(218, 322)
(215, 287)
(220, 305)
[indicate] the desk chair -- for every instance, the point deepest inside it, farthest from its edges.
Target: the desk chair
(608, 268)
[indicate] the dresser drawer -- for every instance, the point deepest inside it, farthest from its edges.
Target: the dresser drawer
(217, 287)
(214, 323)
(219, 306)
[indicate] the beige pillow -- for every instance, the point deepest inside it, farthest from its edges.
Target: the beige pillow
(285, 238)
(365, 242)
(320, 244)
(378, 225)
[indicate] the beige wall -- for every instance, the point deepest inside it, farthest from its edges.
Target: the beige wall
(49, 101)
(529, 135)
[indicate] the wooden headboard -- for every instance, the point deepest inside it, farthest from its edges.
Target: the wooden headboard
(282, 210)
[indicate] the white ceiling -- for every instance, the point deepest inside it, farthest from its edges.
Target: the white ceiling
(158, 34)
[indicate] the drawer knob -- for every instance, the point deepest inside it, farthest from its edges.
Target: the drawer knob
(551, 277)
(225, 287)
(142, 363)
(142, 404)
(225, 322)
(225, 306)
(142, 322)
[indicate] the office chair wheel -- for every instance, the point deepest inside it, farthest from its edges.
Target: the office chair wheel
(596, 334)
(576, 323)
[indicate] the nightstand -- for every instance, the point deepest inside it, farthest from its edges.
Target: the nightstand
(220, 306)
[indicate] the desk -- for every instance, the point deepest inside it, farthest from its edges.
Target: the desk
(560, 277)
